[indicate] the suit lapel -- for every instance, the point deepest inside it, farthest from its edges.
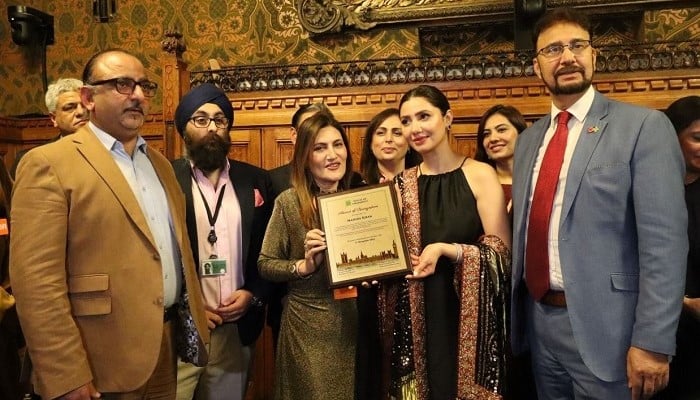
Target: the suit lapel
(183, 173)
(591, 132)
(243, 187)
(101, 160)
(172, 192)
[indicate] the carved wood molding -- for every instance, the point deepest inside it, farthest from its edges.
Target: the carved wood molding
(321, 16)
(173, 43)
(469, 99)
(628, 58)
(9, 122)
(325, 16)
(39, 130)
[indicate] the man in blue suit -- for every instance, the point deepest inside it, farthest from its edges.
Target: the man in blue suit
(598, 276)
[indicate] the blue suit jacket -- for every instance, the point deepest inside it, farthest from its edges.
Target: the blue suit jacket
(622, 234)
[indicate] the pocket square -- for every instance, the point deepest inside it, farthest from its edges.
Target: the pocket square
(259, 201)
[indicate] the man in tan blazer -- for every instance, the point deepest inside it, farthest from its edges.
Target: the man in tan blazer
(100, 260)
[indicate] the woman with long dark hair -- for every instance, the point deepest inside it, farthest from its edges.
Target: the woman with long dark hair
(443, 330)
(385, 152)
(496, 136)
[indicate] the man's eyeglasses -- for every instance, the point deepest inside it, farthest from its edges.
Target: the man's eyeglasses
(203, 122)
(556, 50)
(128, 85)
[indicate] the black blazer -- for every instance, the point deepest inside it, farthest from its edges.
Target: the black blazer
(281, 178)
(245, 178)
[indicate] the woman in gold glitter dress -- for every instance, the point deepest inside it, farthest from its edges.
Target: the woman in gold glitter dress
(444, 329)
(316, 347)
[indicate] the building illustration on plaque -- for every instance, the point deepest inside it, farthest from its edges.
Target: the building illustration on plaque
(365, 259)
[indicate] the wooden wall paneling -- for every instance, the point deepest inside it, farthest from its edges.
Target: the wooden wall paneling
(153, 130)
(356, 135)
(246, 145)
(18, 134)
(262, 374)
(156, 142)
(277, 146)
(463, 137)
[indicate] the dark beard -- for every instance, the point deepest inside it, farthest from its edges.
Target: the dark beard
(572, 88)
(208, 153)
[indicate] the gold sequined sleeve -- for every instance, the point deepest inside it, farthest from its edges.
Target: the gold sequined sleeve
(284, 240)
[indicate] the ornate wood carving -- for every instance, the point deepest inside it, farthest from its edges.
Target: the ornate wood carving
(663, 56)
(322, 16)
(270, 112)
(175, 84)
(173, 43)
(354, 105)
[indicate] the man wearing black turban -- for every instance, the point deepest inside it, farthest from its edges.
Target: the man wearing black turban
(228, 205)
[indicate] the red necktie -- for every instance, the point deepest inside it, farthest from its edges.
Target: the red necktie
(536, 257)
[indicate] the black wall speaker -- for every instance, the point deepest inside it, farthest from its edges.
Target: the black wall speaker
(526, 14)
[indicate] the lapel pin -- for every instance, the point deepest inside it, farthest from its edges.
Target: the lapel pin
(593, 129)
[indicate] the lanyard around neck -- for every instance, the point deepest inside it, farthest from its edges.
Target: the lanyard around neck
(211, 238)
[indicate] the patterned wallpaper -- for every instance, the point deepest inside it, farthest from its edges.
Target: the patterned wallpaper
(247, 32)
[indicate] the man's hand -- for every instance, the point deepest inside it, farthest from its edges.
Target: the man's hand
(85, 392)
(213, 319)
(647, 372)
(692, 305)
(236, 305)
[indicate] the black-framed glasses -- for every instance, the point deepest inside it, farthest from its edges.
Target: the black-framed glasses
(203, 122)
(128, 85)
(576, 46)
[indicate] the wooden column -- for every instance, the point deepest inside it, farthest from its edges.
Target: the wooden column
(175, 83)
